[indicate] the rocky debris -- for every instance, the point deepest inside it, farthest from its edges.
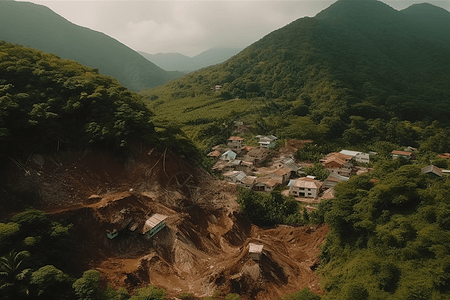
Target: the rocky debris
(204, 246)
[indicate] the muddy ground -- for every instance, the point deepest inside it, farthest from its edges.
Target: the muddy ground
(205, 244)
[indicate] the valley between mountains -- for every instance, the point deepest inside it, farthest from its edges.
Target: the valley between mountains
(105, 193)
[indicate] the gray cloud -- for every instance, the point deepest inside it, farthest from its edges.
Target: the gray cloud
(190, 27)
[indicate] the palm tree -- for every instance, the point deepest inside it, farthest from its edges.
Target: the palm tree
(13, 275)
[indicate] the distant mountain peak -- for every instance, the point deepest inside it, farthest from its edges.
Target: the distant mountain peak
(37, 26)
(426, 9)
(354, 9)
(180, 62)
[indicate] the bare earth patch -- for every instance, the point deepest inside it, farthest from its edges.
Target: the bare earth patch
(203, 248)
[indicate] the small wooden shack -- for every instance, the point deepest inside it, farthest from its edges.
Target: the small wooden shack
(153, 225)
(255, 251)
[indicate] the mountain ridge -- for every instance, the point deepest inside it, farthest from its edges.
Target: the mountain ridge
(323, 71)
(39, 27)
(179, 62)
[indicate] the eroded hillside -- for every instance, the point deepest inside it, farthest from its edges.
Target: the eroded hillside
(204, 246)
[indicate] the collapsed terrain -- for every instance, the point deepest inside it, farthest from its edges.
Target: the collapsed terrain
(204, 247)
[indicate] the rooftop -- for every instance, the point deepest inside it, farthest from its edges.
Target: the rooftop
(214, 153)
(282, 171)
(238, 175)
(255, 248)
(350, 152)
(235, 138)
(266, 181)
(406, 153)
(258, 151)
(432, 169)
(337, 157)
(151, 222)
(305, 182)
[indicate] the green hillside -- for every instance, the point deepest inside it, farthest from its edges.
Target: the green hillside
(388, 236)
(38, 27)
(354, 68)
(49, 104)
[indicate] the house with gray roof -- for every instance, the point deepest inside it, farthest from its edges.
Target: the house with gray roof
(432, 171)
(228, 155)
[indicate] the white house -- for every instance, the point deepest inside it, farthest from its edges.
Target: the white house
(267, 141)
(357, 155)
(304, 187)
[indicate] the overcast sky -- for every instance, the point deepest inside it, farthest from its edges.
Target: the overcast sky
(191, 27)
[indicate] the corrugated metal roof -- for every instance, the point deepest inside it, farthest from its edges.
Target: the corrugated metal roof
(432, 169)
(249, 180)
(282, 171)
(219, 165)
(338, 155)
(266, 181)
(266, 138)
(402, 153)
(230, 173)
(234, 162)
(240, 176)
(305, 182)
(350, 152)
(214, 153)
(237, 175)
(235, 138)
(256, 152)
(151, 222)
(230, 154)
(338, 177)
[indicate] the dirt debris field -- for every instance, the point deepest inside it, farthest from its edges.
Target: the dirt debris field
(204, 246)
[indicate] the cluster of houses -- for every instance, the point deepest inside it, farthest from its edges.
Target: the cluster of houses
(239, 162)
(261, 169)
(246, 166)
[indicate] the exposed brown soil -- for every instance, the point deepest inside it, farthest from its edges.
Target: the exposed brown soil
(204, 246)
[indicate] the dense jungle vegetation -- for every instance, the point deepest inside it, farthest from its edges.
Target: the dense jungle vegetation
(389, 236)
(356, 73)
(49, 104)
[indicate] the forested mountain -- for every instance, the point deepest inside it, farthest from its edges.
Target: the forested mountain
(348, 72)
(49, 104)
(38, 27)
(180, 62)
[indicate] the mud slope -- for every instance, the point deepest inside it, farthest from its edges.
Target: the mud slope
(205, 244)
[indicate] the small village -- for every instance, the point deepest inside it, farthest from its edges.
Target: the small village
(262, 168)
(267, 166)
